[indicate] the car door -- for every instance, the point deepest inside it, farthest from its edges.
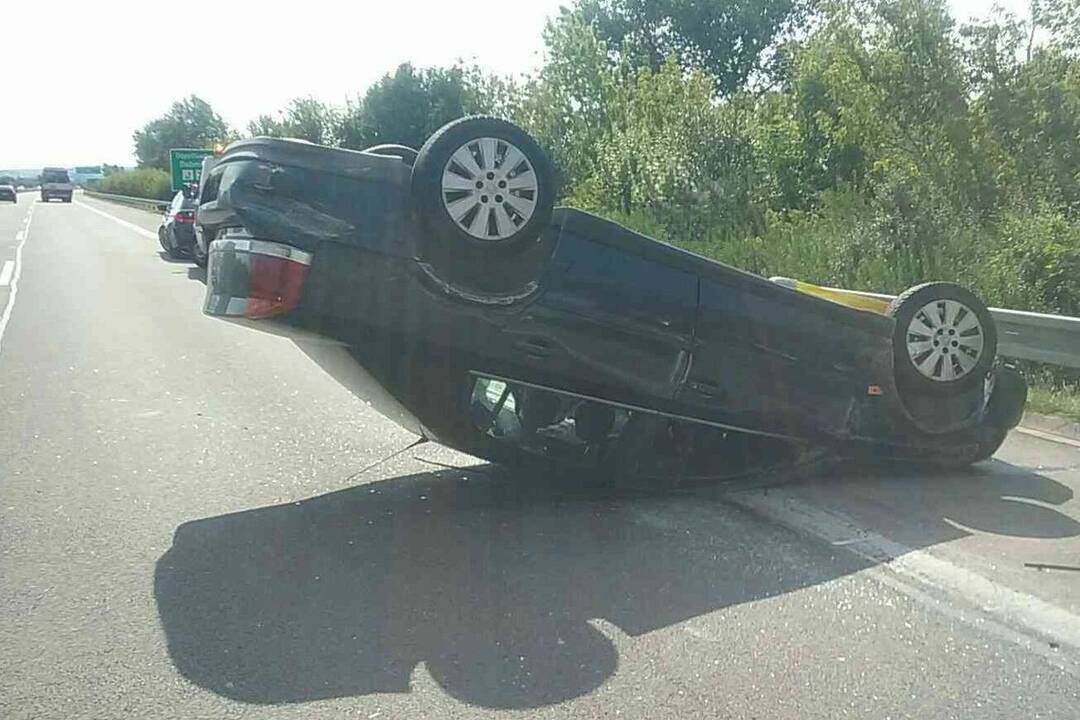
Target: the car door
(609, 323)
(772, 359)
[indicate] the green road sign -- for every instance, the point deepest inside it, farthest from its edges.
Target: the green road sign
(186, 165)
(89, 170)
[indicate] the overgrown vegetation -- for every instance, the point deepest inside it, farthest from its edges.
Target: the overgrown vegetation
(882, 146)
(870, 144)
(142, 182)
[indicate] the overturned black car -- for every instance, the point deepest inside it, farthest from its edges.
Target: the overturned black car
(442, 286)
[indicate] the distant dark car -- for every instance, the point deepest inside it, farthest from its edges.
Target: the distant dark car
(55, 183)
(444, 288)
(176, 233)
(8, 192)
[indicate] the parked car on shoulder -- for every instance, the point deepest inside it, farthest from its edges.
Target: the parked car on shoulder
(55, 183)
(8, 192)
(176, 233)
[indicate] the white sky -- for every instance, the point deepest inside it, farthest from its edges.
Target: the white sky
(81, 76)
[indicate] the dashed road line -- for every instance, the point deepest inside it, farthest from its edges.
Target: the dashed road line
(15, 272)
(6, 272)
(130, 226)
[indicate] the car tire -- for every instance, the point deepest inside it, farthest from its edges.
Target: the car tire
(484, 191)
(170, 246)
(944, 341)
(161, 240)
(1003, 413)
(198, 256)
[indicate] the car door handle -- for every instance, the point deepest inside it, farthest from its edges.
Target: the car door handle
(535, 347)
(706, 388)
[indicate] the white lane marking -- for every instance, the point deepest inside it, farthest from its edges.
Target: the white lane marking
(130, 226)
(6, 272)
(1024, 619)
(6, 316)
(1048, 436)
(19, 235)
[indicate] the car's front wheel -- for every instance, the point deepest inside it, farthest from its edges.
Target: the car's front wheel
(485, 192)
(944, 341)
(199, 255)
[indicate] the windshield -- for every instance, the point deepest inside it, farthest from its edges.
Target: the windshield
(554, 359)
(55, 176)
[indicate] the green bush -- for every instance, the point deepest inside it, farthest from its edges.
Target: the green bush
(1032, 262)
(143, 182)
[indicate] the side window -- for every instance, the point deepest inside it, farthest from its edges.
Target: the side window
(210, 188)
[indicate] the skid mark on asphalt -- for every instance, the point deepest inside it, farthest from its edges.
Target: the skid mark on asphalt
(1026, 620)
(16, 270)
(130, 226)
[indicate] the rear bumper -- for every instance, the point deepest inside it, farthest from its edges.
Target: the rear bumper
(184, 235)
(310, 194)
(252, 278)
(258, 283)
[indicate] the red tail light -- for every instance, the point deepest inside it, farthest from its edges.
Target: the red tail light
(253, 278)
(185, 217)
(274, 287)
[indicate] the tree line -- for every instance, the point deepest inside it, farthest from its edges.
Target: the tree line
(870, 144)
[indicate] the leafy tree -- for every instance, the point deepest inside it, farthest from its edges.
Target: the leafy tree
(408, 105)
(571, 106)
(723, 38)
(675, 156)
(303, 118)
(1060, 18)
(265, 126)
(1027, 103)
(190, 123)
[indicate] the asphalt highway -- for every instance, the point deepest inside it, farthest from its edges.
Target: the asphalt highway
(184, 533)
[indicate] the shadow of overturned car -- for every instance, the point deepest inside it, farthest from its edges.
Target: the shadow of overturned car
(491, 579)
(165, 257)
(916, 506)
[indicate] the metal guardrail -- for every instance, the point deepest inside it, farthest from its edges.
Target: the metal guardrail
(1051, 339)
(144, 203)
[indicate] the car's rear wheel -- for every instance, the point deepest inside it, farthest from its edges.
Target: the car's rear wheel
(198, 255)
(944, 341)
(170, 245)
(485, 192)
